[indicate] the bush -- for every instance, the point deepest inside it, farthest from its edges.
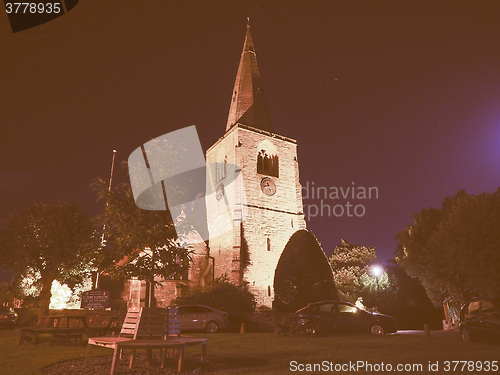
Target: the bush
(221, 295)
(118, 304)
(27, 316)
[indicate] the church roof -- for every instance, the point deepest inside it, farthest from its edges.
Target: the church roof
(248, 104)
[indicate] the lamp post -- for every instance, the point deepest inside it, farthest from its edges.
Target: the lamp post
(377, 271)
(98, 273)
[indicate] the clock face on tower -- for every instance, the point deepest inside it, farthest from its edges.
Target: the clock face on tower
(268, 186)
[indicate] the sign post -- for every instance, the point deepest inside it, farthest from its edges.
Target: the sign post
(97, 299)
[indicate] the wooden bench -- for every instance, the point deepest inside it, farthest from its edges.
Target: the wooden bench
(173, 323)
(128, 331)
(147, 328)
(178, 344)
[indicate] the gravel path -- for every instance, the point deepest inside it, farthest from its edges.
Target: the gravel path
(102, 366)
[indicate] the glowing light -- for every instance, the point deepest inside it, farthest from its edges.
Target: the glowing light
(377, 271)
(65, 298)
(60, 295)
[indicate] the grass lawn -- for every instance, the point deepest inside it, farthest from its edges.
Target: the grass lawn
(264, 353)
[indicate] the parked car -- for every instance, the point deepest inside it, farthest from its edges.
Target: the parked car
(480, 319)
(340, 316)
(8, 317)
(203, 318)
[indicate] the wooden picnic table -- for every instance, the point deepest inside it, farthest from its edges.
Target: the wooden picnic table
(178, 343)
(55, 320)
(51, 324)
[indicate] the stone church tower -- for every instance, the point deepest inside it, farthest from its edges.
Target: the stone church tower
(253, 179)
(254, 212)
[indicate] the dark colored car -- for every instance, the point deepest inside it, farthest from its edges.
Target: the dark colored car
(201, 318)
(340, 316)
(480, 319)
(8, 317)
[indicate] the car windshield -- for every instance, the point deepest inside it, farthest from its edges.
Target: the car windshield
(490, 306)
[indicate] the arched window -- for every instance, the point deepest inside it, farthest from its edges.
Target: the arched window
(267, 164)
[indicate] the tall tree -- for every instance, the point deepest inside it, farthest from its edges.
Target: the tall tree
(51, 240)
(147, 239)
(416, 257)
(455, 251)
(352, 272)
(409, 303)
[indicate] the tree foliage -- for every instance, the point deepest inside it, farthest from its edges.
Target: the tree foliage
(303, 274)
(53, 241)
(7, 288)
(408, 302)
(351, 265)
(455, 251)
(222, 295)
(146, 239)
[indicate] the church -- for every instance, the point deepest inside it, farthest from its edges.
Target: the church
(254, 173)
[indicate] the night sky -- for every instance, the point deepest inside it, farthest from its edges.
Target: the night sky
(400, 95)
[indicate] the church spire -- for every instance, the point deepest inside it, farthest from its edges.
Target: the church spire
(248, 104)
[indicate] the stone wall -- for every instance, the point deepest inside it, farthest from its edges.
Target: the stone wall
(166, 291)
(266, 222)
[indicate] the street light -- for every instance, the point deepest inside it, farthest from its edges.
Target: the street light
(377, 271)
